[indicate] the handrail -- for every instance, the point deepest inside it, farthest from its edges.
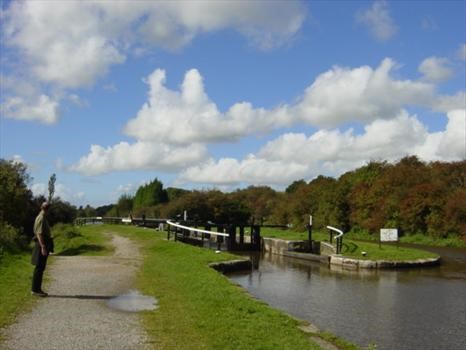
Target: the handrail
(336, 230)
(197, 230)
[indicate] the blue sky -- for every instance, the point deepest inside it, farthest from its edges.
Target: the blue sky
(226, 94)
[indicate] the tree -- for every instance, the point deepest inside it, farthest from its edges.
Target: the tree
(295, 186)
(61, 211)
(52, 180)
(150, 194)
(16, 205)
(125, 204)
(259, 201)
(15, 197)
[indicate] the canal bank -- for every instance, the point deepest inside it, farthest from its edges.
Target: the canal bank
(325, 253)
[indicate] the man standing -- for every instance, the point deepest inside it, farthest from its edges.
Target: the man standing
(42, 247)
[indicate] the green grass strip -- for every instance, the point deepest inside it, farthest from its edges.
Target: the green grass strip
(15, 285)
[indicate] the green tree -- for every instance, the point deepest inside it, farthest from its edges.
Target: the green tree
(15, 197)
(125, 204)
(52, 180)
(16, 205)
(150, 194)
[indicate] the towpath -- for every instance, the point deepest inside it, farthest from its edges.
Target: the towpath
(75, 315)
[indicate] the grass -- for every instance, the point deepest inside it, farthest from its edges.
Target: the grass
(354, 248)
(15, 285)
(418, 238)
(82, 240)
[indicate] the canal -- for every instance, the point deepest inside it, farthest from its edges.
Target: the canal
(422, 308)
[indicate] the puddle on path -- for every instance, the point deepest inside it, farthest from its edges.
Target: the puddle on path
(133, 301)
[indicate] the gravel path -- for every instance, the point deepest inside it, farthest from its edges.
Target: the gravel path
(75, 315)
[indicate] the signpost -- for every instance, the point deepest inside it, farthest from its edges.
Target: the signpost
(388, 235)
(309, 230)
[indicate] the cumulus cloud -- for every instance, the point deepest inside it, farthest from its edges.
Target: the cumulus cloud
(447, 145)
(182, 117)
(41, 108)
(378, 20)
(252, 170)
(173, 127)
(445, 104)
(436, 69)
(61, 191)
(295, 155)
(129, 188)
(71, 44)
(337, 96)
(361, 94)
(139, 155)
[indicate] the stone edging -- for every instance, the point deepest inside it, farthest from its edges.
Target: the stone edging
(351, 263)
(288, 248)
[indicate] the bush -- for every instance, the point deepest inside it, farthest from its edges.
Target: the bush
(11, 238)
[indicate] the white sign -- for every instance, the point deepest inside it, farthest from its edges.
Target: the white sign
(388, 235)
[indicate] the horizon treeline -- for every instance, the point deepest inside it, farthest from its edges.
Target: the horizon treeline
(411, 195)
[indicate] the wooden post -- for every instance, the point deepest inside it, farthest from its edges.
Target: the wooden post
(241, 235)
(309, 231)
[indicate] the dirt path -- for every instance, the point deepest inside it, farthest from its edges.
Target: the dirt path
(75, 315)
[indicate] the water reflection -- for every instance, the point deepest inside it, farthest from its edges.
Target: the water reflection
(396, 309)
(133, 301)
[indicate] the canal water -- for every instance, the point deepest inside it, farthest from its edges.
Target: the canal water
(421, 308)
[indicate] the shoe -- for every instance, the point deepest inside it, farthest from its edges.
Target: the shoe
(40, 293)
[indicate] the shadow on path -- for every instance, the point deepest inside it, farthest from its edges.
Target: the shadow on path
(83, 297)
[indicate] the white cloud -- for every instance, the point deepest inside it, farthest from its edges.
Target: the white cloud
(445, 104)
(462, 52)
(42, 108)
(39, 189)
(360, 94)
(73, 43)
(63, 45)
(337, 96)
(190, 116)
(378, 20)
(293, 156)
(252, 170)
(173, 128)
(436, 69)
(447, 145)
(140, 155)
(64, 42)
(127, 188)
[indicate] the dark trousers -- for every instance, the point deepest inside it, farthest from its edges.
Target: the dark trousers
(41, 263)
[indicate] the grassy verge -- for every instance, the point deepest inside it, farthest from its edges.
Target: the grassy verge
(418, 238)
(355, 248)
(15, 285)
(74, 240)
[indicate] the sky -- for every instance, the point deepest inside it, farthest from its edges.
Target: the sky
(109, 95)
